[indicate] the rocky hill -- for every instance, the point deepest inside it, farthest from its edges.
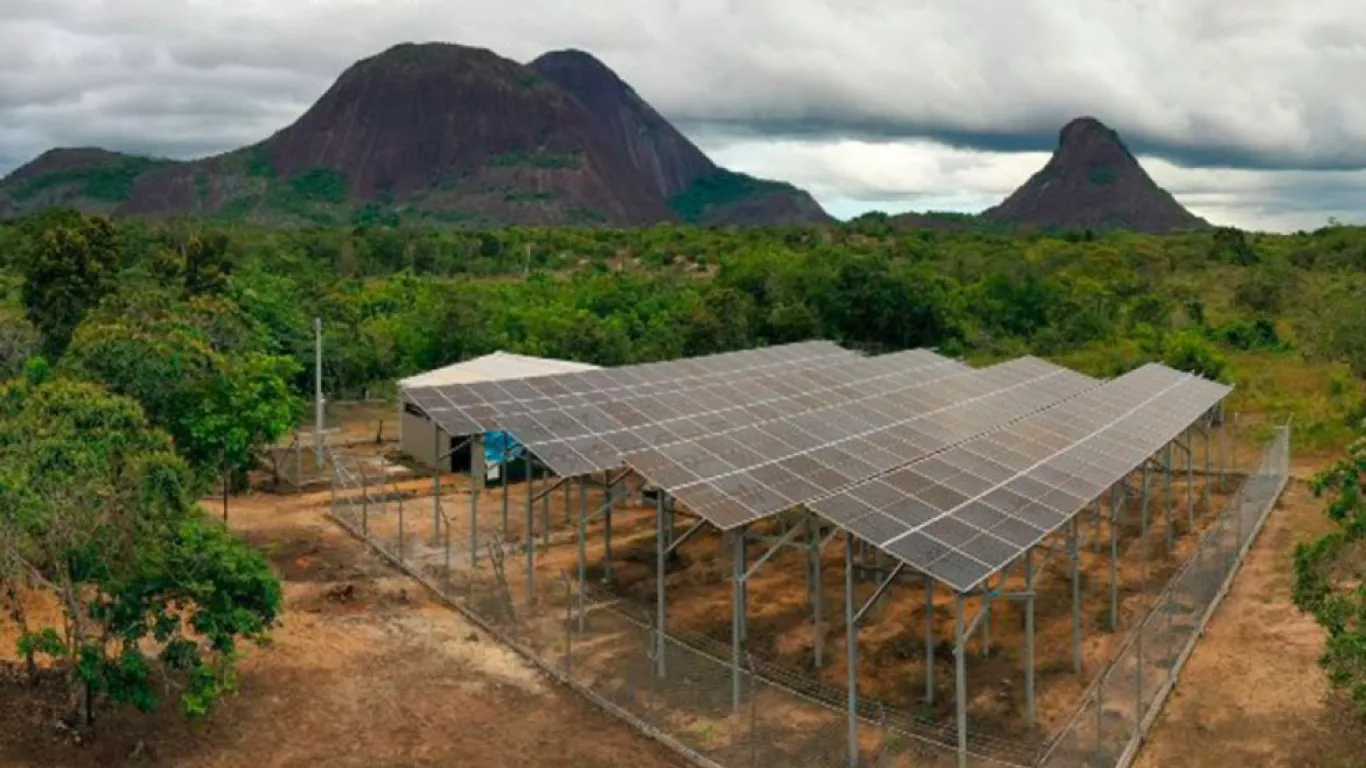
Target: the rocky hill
(1092, 181)
(437, 133)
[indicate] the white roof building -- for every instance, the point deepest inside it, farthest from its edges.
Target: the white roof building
(493, 367)
(421, 439)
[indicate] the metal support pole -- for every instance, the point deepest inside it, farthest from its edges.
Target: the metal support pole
(545, 521)
(1171, 508)
(1095, 536)
(929, 640)
(1223, 421)
(436, 483)
(851, 649)
(530, 531)
(1233, 447)
(660, 551)
(1116, 509)
(503, 476)
(364, 501)
(1143, 528)
(1190, 480)
(737, 561)
(478, 475)
(607, 529)
(568, 505)
(1208, 429)
(986, 618)
(318, 413)
(401, 541)
(960, 680)
(583, 543)
(1076, 596)
(1029, 637)
(813, 550)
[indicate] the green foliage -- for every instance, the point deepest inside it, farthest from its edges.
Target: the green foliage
(71, 265)
(717, 189)
(320, 185)
(96, 507)
(1102, 177)
(1328, 574)
(197, 370)
(1188, 350)
(109, 181)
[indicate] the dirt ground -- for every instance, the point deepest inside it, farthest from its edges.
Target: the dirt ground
(1252, 693)
(365, 670)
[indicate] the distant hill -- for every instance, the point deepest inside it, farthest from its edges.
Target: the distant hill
(437, 133)
(1093, 182)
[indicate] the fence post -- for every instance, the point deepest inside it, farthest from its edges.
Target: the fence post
(400, 529)
(753, 711)
(568, 625)
(364, 502)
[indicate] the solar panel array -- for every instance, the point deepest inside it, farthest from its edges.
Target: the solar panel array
(742, 475)
(967, 512)
(468, 409)
(589, 437)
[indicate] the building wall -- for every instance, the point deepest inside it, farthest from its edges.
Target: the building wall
(420, 440)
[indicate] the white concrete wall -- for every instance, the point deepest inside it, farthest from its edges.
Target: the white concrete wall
(419, 440)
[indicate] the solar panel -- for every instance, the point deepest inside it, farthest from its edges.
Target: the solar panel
(836, 447)
(970, 510)
(570, 447)
(468, 409)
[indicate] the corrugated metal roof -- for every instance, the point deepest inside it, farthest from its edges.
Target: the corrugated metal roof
(493, 367)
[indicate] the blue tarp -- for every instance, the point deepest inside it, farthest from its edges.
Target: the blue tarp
(496, 444)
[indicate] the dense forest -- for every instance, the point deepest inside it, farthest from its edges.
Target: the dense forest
(149, 361)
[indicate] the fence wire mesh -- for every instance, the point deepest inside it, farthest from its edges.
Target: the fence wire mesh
(684, 690)
(1124, 700)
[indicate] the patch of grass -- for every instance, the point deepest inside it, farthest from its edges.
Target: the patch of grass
(111, 182)
(1101, 177)
(321, 185)
(719, 189)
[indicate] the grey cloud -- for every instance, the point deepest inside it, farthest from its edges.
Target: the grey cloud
(1201, 83)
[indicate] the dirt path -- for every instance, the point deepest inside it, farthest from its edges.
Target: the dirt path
(1252, 693)
(365, 671)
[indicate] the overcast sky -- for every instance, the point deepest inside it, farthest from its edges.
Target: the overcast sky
(1252, 112)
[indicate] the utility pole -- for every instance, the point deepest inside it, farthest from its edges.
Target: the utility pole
(318, 393)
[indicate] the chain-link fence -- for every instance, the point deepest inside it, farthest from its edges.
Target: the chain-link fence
(1123, 701)
(684, 690)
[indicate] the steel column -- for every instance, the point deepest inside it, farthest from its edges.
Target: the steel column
(929, 640)
(1116, 507)
(960, 680)
(851, 648)
(478, 475)
(530, 531)
(1143, 527)
(737, 561)
(436, 484)
(607, 526)
(583, 545)
(1029, 637)
(1076, 596)
(1171, 509)
(660, 552)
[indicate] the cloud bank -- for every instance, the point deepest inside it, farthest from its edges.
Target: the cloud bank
(1251, 113)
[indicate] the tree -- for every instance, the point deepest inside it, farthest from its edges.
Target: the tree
(1328, 583)
(204, 384)
(96, 507)
(71, 267)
